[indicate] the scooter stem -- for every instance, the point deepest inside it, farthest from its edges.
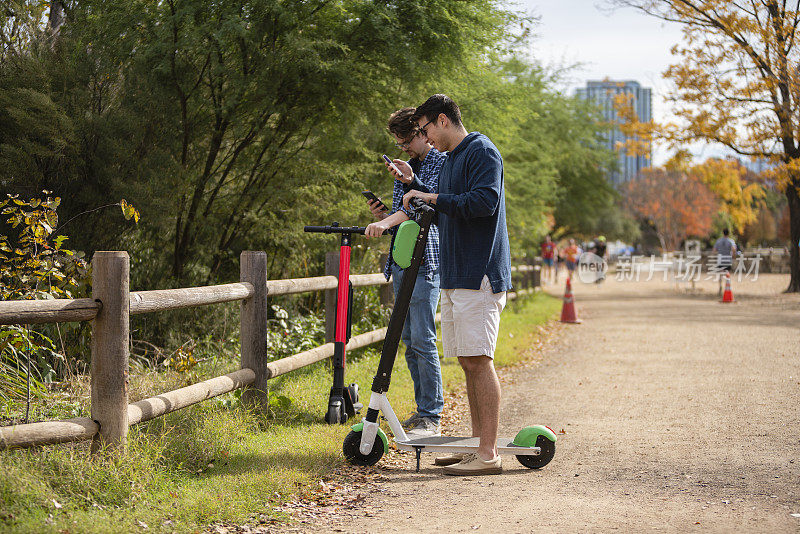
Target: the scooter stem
(378, 402)
(380, 384)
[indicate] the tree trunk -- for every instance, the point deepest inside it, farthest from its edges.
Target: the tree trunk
(55, 20)
(794, 231)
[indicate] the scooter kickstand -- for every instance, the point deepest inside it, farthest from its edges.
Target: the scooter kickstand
(418, 449)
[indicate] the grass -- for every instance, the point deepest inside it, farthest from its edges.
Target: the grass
(215, 462)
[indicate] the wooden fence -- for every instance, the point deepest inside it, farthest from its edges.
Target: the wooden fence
(110, 309)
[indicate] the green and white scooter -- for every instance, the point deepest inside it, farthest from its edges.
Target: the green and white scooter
(534, 446)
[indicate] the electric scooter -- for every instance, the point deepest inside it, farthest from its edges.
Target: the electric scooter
(343, 400)
(534, 446)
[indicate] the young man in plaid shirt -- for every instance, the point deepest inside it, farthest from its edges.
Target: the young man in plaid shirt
(421, 173)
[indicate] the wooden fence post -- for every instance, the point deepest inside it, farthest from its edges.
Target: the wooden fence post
(386, 292)
(529, 281)
(331, 268)
(110, 332)
(253, 269)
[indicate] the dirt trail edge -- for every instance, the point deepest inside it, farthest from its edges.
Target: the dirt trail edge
(678, 412)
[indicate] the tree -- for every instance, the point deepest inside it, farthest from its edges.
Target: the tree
(548, 142)
(638, 134)
(738, 84)
(736, 188)
(227, 114)
(764, 230)
(232, 124)
(739, 200)
(554, 159)
(20, 25)
(590, 205)
(587, 203)
(676, 204)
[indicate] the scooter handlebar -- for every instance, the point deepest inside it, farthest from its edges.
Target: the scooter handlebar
(418, 204)
(335, 229)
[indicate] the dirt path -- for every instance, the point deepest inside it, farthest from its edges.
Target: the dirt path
(679, 414)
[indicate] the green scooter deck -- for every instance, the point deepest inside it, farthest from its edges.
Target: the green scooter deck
(463, 444)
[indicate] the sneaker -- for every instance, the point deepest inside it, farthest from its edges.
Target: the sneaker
(473, 465)
(425, 428)
(449, 459)
(411, 421)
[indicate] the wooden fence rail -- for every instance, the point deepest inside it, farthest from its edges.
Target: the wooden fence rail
(48, 311)
(72, 310)
(110, 309)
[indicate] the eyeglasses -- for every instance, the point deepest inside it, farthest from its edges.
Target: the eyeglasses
(423, 129)
(406, 144)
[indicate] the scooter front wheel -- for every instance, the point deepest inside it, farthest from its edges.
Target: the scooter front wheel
(351, 445)
(548, 449)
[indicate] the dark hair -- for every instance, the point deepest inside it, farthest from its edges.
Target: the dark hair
(725, 231)
(402, 124)
(436, 105)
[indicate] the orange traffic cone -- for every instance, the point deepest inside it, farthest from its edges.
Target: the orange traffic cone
(728, 295)
(568, 309)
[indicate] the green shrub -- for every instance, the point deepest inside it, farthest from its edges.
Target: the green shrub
(34, 265)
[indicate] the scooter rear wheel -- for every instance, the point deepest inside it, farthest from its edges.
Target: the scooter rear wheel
(334, 416)
(351, 445)
(548, 449)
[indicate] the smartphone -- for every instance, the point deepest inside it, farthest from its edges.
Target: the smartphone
(388, 160)
(371, 196)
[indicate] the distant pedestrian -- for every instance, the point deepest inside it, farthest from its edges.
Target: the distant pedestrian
(725, 250)
(599, 248)
(571, 254)
(549, 259)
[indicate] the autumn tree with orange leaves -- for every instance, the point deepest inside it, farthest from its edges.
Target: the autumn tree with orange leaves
(676, 204)
(739, 200)
(737, 83)
(738, 194)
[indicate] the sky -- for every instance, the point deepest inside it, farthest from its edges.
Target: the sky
(623, 44)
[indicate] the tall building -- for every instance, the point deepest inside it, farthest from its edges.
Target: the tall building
(602, 93)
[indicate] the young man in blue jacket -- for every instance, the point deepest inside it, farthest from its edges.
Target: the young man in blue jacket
(475, 267)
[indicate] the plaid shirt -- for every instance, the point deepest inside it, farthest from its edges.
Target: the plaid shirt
(428, 175)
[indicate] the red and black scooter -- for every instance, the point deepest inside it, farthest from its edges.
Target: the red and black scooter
(343, 401)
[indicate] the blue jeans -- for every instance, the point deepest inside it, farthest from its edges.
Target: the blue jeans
(419, 336)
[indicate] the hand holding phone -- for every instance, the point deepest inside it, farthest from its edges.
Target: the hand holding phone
(369, 195)
(392, 165)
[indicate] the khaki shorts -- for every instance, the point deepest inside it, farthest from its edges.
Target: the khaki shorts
(471, 320)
